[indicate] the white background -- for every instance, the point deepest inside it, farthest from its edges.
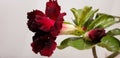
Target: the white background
(15, 38)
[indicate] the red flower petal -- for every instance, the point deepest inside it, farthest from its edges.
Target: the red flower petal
(39, 39)
(48, 50)
(45, 23)
(52, 9)
(40, 35)
(55, 30)
(43, 44)
(32, 15)
(32, 25)
(35, 47)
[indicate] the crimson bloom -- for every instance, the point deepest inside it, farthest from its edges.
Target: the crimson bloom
(95, 34)
(46, 27)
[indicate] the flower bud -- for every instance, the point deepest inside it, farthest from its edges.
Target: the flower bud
(95, 34)
(67, 29)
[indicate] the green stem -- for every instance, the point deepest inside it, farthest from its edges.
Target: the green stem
(94, 52)
(113, 55)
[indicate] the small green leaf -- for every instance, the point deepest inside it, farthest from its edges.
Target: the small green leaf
(102, 21)
(76, 14)
(81, 44)
(76, 42)
(64, 44)
(114, 32)
(82, 16)
(89, 17)
(110, 43)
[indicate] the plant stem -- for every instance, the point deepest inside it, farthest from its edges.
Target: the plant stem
(94, 52)
(113, 55)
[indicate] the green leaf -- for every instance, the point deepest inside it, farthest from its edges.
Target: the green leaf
(88, 22)
(89, 17)
(76, 14)
(64, 44)
(102, 21)
(81, 44)
(114, 32)
(110, 43)
(76, 42)
(83, 15)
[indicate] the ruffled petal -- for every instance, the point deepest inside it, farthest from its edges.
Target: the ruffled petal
(43, 43)
(55, 30)
(32, 15)
(48, 49)
(40, 35)
(43, 46)
(32, 25)
(52, 9)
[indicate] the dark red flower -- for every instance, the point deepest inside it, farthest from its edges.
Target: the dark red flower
(39, 20)
(96, 34)
(46, 27)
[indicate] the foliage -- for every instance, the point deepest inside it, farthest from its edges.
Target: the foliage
(88, 18)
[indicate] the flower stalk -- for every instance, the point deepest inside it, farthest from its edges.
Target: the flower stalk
(113, 55)
(94, 52)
